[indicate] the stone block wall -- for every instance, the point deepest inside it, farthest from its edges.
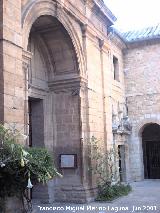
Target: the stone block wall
(141, 66)
(104, 93)
(13, 76)
(72, 74)
(63, 137)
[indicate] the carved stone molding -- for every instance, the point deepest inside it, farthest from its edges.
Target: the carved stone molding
(122, 126)
(26, 56)
(72, 84)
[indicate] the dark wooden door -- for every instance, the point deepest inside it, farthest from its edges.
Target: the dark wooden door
(153, 159)
(122, 166)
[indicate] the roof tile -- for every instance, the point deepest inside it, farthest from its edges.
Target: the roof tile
(146, 33)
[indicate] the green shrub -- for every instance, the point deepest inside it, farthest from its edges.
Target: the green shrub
(104, 163)
(109, 193)
(21, 166)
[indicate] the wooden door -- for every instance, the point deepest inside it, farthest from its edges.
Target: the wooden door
(153, 159)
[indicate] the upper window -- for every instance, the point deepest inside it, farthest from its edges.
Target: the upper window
(116, 68)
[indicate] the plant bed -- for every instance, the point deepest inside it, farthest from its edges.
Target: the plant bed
(110, 193)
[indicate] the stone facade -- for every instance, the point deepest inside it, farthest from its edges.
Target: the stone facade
(141, 65)
(60, 63)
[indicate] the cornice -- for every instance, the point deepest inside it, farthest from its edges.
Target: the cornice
(105, 11)
(67, 84)
(102, 9)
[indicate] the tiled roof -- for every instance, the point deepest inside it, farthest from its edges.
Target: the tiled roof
(143, 34)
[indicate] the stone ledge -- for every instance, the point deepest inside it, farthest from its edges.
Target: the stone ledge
(65, 84)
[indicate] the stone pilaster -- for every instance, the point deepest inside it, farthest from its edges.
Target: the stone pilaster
(13, 76)
(26, 57)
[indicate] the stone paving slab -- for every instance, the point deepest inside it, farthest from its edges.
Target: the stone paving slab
(145, 198)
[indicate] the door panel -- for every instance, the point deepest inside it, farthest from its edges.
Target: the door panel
(153, 159)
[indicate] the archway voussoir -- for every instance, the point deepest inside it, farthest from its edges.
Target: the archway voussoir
(46, 7)
(145, 121)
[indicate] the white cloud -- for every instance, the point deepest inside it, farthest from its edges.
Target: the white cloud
(133, 14)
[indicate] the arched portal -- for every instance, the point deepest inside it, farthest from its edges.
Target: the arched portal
(51, 46)
(35, 9)
(151, 151)
(54, 101)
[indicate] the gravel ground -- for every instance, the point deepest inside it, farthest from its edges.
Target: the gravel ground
(144, 198)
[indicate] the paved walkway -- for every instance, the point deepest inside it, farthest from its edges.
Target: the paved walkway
(144, 198)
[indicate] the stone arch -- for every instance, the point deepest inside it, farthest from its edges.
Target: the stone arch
(136, 148)
(138, 138)
(146, 121)
(33, 10)
(46, 55)
(151, 150)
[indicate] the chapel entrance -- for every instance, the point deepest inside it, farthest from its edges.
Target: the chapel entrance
(151, 151)
(53, 90)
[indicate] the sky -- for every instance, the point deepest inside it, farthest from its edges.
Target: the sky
(135, 14)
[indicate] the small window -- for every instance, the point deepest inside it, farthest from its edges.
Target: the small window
(116, 68)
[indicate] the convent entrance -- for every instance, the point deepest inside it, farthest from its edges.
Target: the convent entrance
(151, 151)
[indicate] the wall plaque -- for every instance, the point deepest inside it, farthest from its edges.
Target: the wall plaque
(68, 161)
